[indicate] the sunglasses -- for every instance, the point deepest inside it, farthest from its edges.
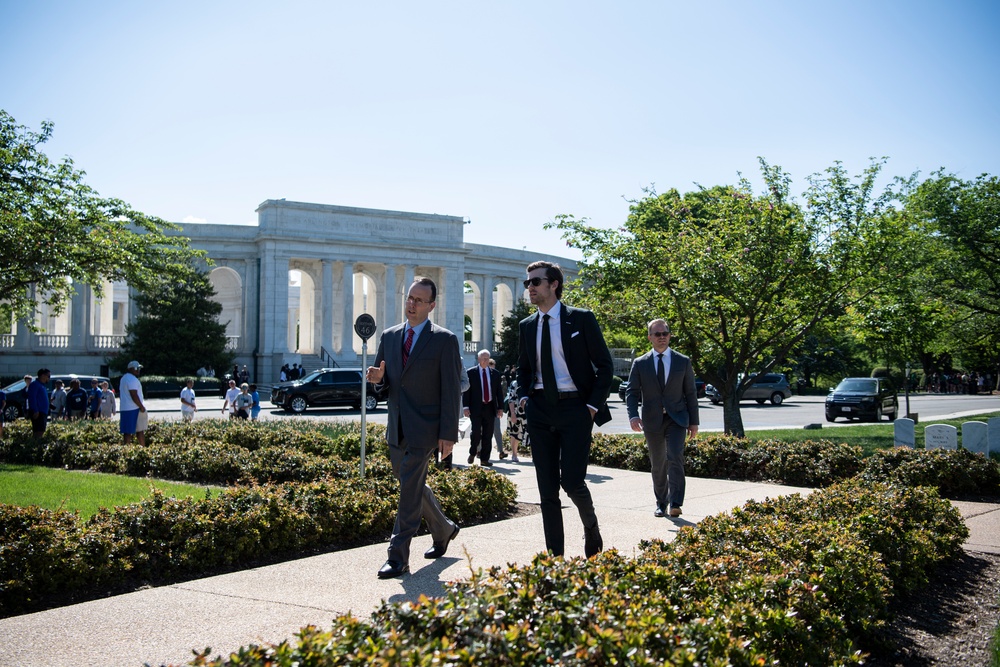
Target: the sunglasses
(660, 334)
(534, 282)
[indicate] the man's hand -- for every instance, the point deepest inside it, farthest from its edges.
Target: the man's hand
(375, 375)
(635, 423)
(593, 411)
(444, 446)
(499, 414)
(693, 431)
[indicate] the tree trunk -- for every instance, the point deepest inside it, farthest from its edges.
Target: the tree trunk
(732, 419)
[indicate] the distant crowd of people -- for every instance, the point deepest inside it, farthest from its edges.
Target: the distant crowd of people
(959, 383)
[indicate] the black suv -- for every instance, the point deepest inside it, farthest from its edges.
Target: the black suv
(862, 398)
(327, 387)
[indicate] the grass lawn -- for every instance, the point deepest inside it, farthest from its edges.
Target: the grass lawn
(869, 437)
(86, 492)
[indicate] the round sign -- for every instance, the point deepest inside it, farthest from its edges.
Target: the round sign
(364, 326)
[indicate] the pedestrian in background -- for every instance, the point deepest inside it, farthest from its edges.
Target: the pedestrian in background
(188, 407)
(109, 404)
(57, 401)
(38, 402)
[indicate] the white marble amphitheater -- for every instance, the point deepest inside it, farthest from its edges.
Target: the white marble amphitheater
(292, 285)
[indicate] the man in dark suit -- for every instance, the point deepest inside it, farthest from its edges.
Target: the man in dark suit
(483, 404)
(421, 365)
(564, 374)
(664, 380)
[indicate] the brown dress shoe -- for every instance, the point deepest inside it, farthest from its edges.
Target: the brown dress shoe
(675, 511)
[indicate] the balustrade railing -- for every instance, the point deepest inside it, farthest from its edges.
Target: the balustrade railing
(53, 341)
(106, 342)
(7, 340)
(232, 343)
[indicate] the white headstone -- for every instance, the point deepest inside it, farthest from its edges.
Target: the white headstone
(993, 434)
(974, 437)
(941, 436)
(903, 433)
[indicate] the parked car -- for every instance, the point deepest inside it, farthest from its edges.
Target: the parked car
(699, 387)
(17, 392)
(862, 398)
(770, 386)
(326, 387)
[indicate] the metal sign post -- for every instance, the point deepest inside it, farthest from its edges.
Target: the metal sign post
(364, 326)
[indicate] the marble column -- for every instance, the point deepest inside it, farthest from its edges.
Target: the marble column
(347, 304)
(390, 301)
(326, 338)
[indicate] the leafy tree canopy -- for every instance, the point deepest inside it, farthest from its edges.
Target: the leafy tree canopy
(178, 330)
(743, 277)
(53, 227)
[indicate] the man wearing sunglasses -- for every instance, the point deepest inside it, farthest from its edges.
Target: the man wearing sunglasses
(564, 375)
(664, 381)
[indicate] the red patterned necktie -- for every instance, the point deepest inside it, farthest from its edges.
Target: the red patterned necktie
(407, 345)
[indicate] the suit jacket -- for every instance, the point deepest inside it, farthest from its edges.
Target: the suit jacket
(425, 398)
(473, 397)
(587, 357)
(678, 397)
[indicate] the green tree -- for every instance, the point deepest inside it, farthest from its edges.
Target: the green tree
(507, 346)
(177, 331)
(741, 277)
(53, 226)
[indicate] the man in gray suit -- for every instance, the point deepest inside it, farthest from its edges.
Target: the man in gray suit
(421, 365)
(664, 380)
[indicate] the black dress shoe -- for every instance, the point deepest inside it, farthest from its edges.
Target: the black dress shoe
(472, 458)
(503, 455)
(486, 463)
(393, 568)
(592, 542)
(439, 548)
(660, 511)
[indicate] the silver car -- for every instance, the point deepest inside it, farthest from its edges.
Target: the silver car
(772, 387)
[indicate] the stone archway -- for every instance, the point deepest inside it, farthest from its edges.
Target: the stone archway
(228, 288)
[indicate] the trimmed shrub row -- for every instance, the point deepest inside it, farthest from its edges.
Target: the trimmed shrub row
(297, 494)
(795, 581)
(813, 463)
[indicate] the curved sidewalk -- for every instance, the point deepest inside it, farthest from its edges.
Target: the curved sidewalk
(269, 604)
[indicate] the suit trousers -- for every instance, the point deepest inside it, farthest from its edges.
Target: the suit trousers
(560, 449)
(481, 440)
(666, 458)
(416, 501)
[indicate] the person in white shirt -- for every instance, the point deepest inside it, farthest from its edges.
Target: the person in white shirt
(188, 407)
(134, 418)
(230, 403)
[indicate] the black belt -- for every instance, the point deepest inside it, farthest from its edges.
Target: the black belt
(562, 394)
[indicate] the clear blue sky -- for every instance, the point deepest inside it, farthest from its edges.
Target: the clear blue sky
(505, 113)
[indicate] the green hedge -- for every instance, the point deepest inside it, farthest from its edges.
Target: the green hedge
(812, 463)
(794, 581)
(296, 493)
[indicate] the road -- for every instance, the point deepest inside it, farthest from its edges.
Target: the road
(796, 412)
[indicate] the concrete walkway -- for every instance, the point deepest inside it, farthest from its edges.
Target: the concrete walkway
(164, 625)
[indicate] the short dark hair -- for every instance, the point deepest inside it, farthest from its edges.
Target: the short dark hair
(427, 282)
(43, 371)
(552, 272)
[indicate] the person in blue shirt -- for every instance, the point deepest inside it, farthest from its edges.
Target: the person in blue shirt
(38, 402)
(255, 408)
(95, 396)
(3, 404)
